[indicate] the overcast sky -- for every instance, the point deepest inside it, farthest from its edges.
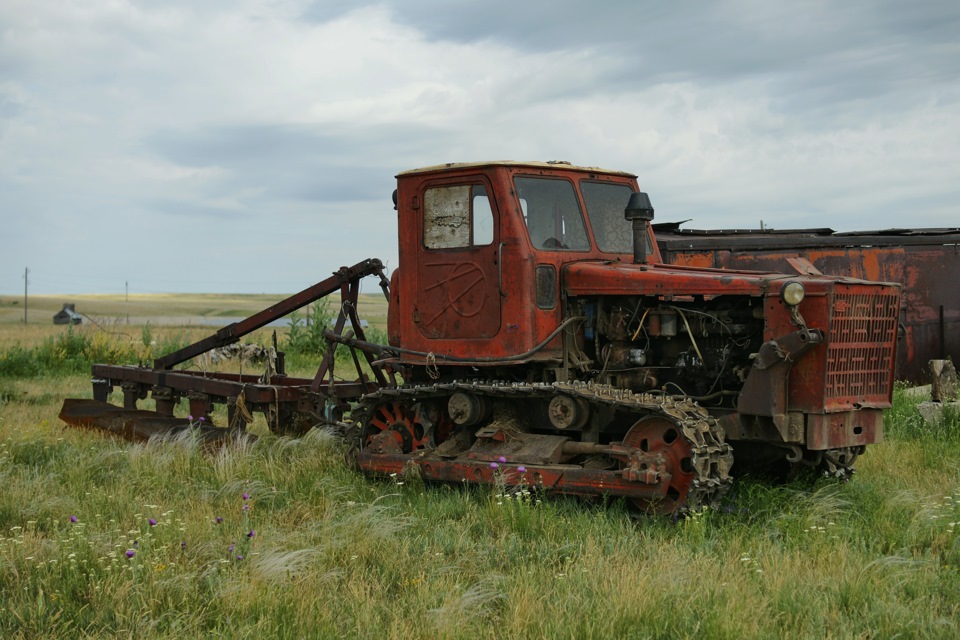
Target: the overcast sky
(251, 145)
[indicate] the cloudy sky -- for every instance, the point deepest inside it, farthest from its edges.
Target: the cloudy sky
(251, 145)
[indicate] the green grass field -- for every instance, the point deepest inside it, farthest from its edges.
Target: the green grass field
(279, 538)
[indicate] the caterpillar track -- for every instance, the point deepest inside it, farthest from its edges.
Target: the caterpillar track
(664, 454)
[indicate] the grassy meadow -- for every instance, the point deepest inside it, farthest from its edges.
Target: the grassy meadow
(278, 538)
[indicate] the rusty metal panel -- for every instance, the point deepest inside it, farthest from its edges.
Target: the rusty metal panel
(138, 426)
(845, 429)
(538, 450)
(595, 278)
(566, 479)
(457, 264)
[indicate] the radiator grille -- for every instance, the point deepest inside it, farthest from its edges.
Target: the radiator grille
(863, 331)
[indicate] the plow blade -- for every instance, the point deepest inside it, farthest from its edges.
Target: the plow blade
(136, 425)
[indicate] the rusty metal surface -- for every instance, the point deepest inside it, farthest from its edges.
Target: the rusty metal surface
(139, 426)
(594, 278)
(926, 262)
(566, 479)
(765, 391)
(847, 429)
(530, 448)
(216, 384)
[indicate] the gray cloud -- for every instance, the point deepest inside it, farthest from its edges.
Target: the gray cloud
(278, 163)
(814, 54)
(224, 137)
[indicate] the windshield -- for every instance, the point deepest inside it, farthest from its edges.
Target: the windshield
(605, 204)
(552, 214)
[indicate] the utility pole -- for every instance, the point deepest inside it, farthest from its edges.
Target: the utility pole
(26, 272)
(126, 291)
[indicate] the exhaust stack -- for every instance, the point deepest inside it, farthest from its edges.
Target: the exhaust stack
(640, 212)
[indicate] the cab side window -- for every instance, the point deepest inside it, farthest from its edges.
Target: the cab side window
(456, 217)
(552, 214)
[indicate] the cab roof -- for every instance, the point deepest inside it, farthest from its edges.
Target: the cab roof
(549, 165)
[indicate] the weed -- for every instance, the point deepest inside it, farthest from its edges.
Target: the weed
(74, 350)
(146, 335)
(306, 337)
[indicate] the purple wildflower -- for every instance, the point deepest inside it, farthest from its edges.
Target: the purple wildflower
(73, 519)
(190, 417)
(152, 522)
(494, 465)
(522, 469)
(131, 553)
(230, 548)
(502, 459)
(183, 545)
(252, 533)
(246, 496)
(219, 520)
(239, 557)
(246, 507)
(201, 418)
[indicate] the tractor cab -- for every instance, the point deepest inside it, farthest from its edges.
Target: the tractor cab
(481, 248)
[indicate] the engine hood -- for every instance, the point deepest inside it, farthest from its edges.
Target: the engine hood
(624, 278)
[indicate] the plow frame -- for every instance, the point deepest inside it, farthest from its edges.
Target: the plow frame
(290, 404)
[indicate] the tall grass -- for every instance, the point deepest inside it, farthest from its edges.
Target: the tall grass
(904, 422)
(334, 554)
(74, 350)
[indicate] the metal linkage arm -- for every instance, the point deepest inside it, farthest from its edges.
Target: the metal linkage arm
(233, 332)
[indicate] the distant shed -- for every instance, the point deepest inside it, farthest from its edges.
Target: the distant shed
(67, 315)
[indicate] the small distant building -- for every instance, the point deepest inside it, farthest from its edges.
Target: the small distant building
(67, 315)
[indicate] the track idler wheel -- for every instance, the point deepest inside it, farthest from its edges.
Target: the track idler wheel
(661, 437)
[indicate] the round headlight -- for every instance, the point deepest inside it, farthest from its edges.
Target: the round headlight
(792, 293)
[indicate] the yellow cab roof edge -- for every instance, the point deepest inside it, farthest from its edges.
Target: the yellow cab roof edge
(561, 165)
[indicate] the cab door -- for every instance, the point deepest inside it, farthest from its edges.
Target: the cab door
(458, 276)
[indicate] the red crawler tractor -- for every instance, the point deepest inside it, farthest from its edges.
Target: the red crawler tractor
(540, 339)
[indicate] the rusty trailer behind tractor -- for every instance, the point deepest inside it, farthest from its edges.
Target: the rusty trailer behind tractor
(926, 262)
(536, 337)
